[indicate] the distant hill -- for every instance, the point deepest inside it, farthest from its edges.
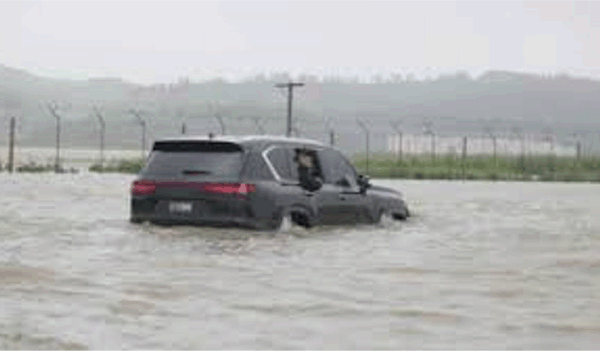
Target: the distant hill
(455, 104)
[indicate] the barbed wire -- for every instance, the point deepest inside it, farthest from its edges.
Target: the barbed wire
(420, 134)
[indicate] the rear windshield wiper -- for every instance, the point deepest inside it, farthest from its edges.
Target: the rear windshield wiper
(194, 172)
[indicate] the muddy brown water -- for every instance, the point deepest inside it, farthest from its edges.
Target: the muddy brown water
(480, 265)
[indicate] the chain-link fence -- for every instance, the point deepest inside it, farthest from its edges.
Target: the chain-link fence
(394, 145)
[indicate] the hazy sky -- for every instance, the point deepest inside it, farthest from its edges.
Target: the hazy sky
(158, 42)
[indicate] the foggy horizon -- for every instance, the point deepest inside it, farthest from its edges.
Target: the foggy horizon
(159, 43)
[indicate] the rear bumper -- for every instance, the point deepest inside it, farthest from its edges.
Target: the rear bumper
(238, 216)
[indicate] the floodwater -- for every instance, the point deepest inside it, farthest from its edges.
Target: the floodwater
(480, 265)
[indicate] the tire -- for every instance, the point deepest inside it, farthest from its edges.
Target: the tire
(135, 220)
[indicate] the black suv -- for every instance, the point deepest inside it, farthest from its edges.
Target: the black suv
(259, 182)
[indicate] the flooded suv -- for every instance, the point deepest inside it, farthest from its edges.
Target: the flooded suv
(258, 182)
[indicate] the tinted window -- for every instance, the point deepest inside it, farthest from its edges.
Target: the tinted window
(196, 146)
(335, 166)
(195, 159)
(282, 161)
(257, 168)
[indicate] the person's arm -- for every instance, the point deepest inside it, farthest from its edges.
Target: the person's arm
(316, 182)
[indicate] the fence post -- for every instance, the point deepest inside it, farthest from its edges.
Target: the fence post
(367, 142)
(464, 156)
(495, 159)
(366, 130)
(11, 145)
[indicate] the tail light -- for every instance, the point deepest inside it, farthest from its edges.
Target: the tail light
(240, 189)
(143, 187)
(147, 187)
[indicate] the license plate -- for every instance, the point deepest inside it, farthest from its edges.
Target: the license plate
(180, 207)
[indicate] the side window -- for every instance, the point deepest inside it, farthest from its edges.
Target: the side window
(257, 168)
(282, 161)
(336, 166)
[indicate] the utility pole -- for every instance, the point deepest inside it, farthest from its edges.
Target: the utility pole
(296, 128)
(11, 145)
(137, 114)
(329, 128)
(290, 86)
(398, 130)
(53, 108)
(366, 130)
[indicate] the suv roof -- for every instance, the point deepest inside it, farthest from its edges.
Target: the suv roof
(246, 139)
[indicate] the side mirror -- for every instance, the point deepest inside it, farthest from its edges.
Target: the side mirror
(363, 183)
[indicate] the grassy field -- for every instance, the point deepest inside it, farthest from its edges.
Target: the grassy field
(543, 168)
(536, 168)
(131, 166)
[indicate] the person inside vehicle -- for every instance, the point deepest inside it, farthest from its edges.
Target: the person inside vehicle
(307, 172)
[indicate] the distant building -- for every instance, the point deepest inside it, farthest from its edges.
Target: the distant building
(419, 144)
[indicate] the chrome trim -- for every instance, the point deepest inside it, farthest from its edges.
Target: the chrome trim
(269, 164)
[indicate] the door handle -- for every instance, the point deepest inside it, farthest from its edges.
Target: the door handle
(308, 194)
(342, 197)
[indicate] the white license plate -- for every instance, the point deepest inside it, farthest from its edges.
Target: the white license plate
(180, 207)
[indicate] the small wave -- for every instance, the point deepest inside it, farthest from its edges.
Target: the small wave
(443, 317)
(25, 274)
(315, 310)
(505, 293)
(155, 291)
(132, 307)
(578, 262)
(570, 328)
(405, 270)
(18, 340)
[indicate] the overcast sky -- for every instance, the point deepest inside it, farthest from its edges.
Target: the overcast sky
(158, 42)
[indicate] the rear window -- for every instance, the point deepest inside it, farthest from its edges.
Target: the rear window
(205, 160)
